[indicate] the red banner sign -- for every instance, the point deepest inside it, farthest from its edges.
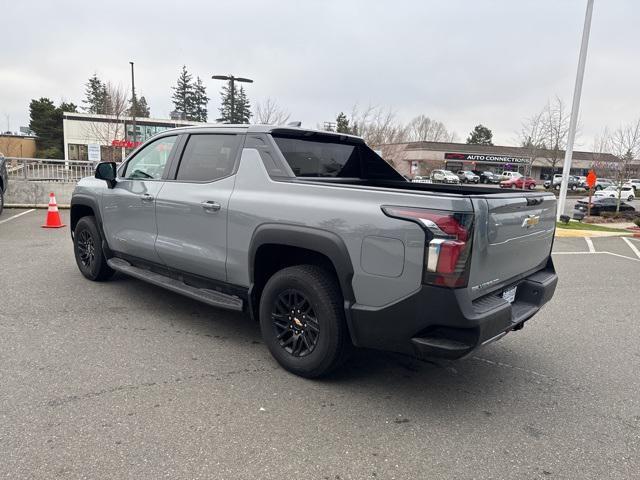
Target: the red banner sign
(125, 143)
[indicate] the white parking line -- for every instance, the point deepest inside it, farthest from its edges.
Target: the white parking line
(632, 246)
(592, 249)
(16, 216)
(598, 253)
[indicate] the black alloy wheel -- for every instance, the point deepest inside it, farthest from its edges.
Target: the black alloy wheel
(295, 323)
(302, 320)
(86, 249)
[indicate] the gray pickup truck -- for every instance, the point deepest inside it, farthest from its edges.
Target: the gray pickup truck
(320, 240)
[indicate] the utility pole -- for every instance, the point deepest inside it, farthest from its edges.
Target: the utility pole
(231, 79)
(134, 104)
(575, 107)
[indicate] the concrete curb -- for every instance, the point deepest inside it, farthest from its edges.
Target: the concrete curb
(33, 205)
(570, 233)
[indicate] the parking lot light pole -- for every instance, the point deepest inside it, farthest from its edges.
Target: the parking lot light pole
(134, 104)
(575, 107)
(231, 79)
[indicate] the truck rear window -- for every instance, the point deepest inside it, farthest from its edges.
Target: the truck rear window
(323, 155)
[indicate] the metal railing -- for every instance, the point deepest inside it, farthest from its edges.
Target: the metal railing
(46, 170)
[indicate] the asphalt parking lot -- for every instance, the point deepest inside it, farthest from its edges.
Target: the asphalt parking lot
(124, 380)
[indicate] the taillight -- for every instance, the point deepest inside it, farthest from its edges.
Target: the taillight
(448, 243)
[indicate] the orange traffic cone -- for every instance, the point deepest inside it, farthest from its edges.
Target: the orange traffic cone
(53, 216)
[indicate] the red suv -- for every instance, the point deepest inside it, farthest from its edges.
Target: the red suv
(529, 183)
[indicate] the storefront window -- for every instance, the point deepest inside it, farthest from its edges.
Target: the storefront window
(83, 152)
(110, 154)
(144, 132)
(73, 151)
(78, 152)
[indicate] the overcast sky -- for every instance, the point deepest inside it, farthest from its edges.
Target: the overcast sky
(462, 62)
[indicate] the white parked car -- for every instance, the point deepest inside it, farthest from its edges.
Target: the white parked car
(444, 176)
(633, 183)
(509, 175)
(627, 192)
(421, 179)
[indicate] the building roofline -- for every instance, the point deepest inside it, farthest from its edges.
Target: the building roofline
(495, 149)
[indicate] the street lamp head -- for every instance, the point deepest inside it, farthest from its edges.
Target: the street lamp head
(231, 77)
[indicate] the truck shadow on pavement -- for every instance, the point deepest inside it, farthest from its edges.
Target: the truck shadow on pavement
(383, 372)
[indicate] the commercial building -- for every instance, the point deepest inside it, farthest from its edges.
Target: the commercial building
(107, 137)
(419, 158)
(15, 145)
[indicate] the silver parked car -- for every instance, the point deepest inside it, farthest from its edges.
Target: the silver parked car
(444, 176)
(467, 176)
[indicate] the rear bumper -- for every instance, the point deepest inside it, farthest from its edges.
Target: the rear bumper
(445, 323)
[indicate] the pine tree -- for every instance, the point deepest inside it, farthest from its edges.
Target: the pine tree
(342, 124)
(95, 96)
(140, 109)
(183, 95)
(240, 113)
(480, 135)
(46, 122)
(242, 107)
(200, 101)
(225, 104)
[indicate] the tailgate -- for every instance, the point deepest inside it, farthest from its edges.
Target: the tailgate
(513, 237)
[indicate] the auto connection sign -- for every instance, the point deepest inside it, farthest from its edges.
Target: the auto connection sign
(487, 158)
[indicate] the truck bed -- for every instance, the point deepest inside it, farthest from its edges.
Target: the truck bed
(439, 188)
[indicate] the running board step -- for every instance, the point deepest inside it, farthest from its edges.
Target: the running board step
(210, 297)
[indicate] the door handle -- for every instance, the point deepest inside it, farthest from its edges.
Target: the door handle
(146, 197)
(211, 206)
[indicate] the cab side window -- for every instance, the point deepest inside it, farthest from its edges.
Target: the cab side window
(149, 163)
(208, 157)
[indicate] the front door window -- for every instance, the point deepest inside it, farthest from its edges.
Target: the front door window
(150, 162)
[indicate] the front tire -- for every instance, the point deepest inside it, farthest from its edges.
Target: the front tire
(87, 247)
(302, 321)
(1, 201)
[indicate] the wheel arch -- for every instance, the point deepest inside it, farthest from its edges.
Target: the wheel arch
(276, 246)
(82, 206)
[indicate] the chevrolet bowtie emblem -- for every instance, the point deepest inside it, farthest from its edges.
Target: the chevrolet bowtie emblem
(530, 221)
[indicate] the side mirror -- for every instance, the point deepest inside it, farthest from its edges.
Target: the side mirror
(107, 171)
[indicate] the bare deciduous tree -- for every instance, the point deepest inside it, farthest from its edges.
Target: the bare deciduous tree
(425, 129)
(545, 133)
(532, 136)
(269, 113)
(624, 144)
(379, 126)
(111, 127)
(555, 130)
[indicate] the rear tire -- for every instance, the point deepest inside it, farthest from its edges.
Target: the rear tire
(1, 201)
(87, 247)
(302, 321)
